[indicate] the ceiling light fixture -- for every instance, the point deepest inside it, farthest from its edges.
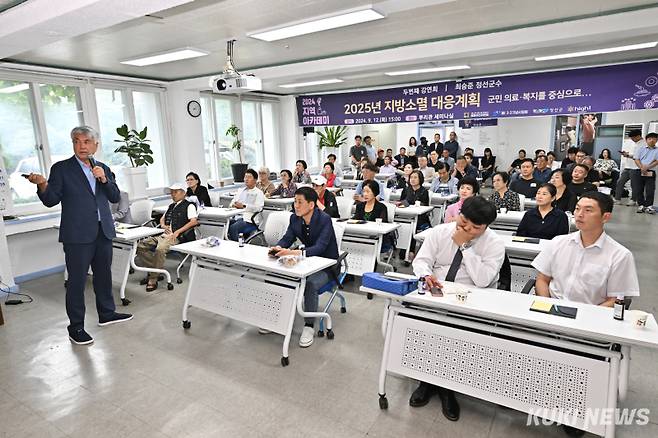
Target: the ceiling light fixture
(426, 70)
(318, 25)
(168, 56)
(308, 84)
(598, 51)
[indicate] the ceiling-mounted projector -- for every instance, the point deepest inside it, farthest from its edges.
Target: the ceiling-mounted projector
(231, 80)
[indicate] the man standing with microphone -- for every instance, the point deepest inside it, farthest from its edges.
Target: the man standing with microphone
(85, 188)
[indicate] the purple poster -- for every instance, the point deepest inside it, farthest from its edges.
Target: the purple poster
(588, 90)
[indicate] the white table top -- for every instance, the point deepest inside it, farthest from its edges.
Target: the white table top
(133, 234)
(350, 182)
(440, 199)
(369, 228)
(515, 248)
(278, 202)
(591, 322)
(209, 212)
(253, 256)
(412, 210)
(530, 203)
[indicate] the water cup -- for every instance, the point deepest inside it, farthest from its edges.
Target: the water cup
(378, 221)
(503, 210)
(462, 295)
(417, 204)
(638, 317)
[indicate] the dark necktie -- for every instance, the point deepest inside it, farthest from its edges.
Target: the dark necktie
(454, 266)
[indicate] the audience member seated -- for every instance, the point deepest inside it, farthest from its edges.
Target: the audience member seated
(503, 197)
(264, 184)
(250, 199)
(326, 199)
(330, 175)
(580, 156)
(468, 187)
(544, 221)
(194, 188)
(434, 161)
(359, 170)
(471, 170)
(570, 158)
(314, 229)
(178, 224)
(552, 164)
(415, 192)
(444, 184)
(542, 173)
(466, 252)
(428, 172)
(459, 171)
(301, 175)
(516, 164)
(337, 170)
(371, 209)
(388, 168)
(379, 162)
(578, 184)
(487, 165)
(525, 185)
(606, 167)
(287, 188)
(447, 159)
(452, 145)
(592, 175)
(121, 210)
(369, 171)
(587, 266)
(402, 158)
(402, 179)
(564, 199)
(473, 161)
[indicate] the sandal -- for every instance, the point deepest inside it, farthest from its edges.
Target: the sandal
(151, 287)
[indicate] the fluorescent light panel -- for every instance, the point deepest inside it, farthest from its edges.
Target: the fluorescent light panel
(308, 84)
(427, 70)
(598, 51)
(159, 58)
(318, 25)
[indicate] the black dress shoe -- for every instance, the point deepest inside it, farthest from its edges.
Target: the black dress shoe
(572, 431)
(80, 337)
(422, 395)
(449, 404)
(115, 318)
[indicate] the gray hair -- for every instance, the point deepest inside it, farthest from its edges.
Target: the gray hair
(590, 159)
(85, 130)
(264, 169)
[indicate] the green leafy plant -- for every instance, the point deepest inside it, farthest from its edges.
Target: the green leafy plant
(332, 137)
(234, 131)
(135, 145)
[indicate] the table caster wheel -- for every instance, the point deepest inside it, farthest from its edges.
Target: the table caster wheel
(330, 334)
(125, 301)
(131, 271)
(170, 286)
(179, 280)
(369, 296)
(383, 402)
(343, 310)
(187, 324)
(284, 361)
(320, 333)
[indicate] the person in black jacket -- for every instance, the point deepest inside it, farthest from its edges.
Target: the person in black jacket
(194, 188)
(488, 165)
(371, 210)
(564, 199)
(326, 200)
(544, 221)
(415, 192)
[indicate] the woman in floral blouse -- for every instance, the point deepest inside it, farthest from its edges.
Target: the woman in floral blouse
(605, 165)
(287, 188)
(503, 197)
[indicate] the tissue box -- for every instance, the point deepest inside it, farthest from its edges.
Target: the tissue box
(375, 280)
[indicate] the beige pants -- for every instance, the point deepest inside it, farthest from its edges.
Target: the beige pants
(152, 251)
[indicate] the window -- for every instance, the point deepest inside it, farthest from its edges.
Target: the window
(217, 117)
(147, 113)
(209, 143)
(260, 138)
(62, 111)
(19, 146)
(112, 113)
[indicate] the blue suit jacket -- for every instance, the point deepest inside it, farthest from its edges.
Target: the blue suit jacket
(68, 184)
(322, 240)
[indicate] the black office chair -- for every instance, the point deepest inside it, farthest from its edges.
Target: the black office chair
(505, 275)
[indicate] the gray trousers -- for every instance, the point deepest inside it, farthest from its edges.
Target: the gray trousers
(311, 297)
(624, 177)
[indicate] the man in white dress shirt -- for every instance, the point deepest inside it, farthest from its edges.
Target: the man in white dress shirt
(465, 251)
(633, 143)
(587, 266)
(251, 200)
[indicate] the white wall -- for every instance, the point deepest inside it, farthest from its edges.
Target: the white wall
(404, 132)
(626, 117)
(527, 133)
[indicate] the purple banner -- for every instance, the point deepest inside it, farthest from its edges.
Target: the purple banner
(477, 123)
(597, 89)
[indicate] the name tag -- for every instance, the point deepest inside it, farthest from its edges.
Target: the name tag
(533, 185)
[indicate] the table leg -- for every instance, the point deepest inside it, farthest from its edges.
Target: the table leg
(383, 401)
(414, 224)
(612, 394)
(164, 272)
(380, 239)
(387, 305)
(193, 267)
(2, 319)
(624, 365)
(122, 292)
(288, 335)
(303, 313)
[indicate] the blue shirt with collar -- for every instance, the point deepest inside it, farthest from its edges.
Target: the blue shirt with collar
(90, 179)
(646, 155)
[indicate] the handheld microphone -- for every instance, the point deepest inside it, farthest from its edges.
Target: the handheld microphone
(92, 162)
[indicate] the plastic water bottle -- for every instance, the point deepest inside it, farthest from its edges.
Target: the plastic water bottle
(302, 248)
(421, 286)
(241, 240)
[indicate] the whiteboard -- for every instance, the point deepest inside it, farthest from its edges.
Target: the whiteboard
(478, 138)
(6, 202)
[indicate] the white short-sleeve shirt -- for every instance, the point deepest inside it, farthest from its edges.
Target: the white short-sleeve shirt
(588, 275)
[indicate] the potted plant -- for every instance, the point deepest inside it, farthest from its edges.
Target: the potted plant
(332, 137)
(136, 146)
(238, 169)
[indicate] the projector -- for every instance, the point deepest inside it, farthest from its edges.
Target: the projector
(235, 83)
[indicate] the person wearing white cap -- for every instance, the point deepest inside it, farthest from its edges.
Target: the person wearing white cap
(326, 199)
(178, 222)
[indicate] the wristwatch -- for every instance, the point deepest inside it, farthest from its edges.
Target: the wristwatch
(464, 246)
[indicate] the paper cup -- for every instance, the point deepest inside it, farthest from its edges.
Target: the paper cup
(417, 204)
(639, 318)
(378, 221)
(503, 210)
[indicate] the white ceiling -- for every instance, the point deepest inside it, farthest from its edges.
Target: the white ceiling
(493, 36)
